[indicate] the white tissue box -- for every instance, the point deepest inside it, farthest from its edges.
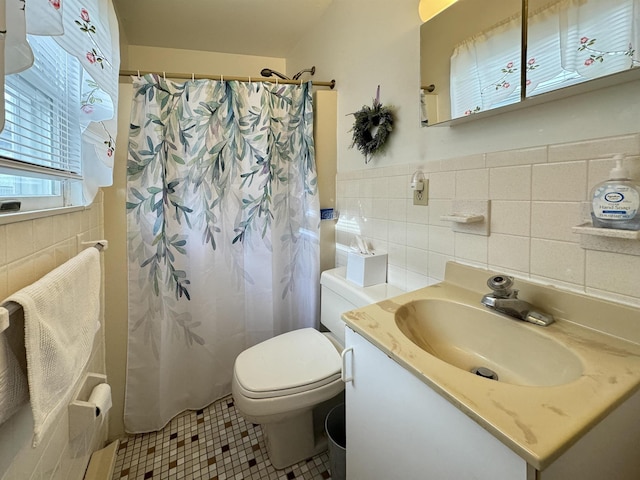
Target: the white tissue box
(367, 269)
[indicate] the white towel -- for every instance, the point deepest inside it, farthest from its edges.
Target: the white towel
(13, 382)
(61, 318)
(4, 319)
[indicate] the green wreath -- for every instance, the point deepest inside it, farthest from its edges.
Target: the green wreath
(371, 128)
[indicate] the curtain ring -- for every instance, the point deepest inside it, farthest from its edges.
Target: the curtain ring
(300, 82)
(249, 79)
(222, 78)
(138, 74)
(164, 76)
(193, 77)
(276, 81)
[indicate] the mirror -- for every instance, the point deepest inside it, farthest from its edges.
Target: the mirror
(475, 68)
(575, 41)
(449, 53)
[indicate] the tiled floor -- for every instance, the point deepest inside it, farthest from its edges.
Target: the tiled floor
(210, 444)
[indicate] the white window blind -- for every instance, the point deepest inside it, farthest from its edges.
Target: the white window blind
(61, 111)
(42, 134)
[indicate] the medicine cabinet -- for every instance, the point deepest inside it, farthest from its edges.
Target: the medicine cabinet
(479, 57)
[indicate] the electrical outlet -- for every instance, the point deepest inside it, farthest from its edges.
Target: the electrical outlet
(422, 198)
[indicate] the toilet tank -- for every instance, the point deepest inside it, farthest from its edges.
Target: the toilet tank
(339, 295)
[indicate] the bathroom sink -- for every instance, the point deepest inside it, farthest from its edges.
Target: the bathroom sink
(486, 343)
(555, 382)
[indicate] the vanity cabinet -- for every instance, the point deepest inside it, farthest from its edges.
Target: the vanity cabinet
(398, 427)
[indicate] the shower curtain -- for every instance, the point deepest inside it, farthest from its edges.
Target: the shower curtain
(223, 228)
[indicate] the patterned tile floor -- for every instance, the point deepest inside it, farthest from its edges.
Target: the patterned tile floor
(214, 443)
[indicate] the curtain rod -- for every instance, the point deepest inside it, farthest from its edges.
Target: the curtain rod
(196, 76)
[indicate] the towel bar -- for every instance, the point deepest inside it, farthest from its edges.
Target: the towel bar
(12, 307)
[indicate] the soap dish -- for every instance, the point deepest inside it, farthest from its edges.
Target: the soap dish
(608, 239)
(469, 216)
(462, 218)
(589, 229)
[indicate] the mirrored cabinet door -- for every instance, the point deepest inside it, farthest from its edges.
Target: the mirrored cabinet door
(470, 53)
(575, 41)
(473, 65)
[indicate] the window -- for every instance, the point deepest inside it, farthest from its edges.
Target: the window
(40, 146)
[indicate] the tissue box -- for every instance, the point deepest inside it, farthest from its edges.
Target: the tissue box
(367, 269)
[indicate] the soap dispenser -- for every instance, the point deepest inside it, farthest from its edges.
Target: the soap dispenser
(615, 203)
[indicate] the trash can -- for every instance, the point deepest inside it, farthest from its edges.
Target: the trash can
(335, 427)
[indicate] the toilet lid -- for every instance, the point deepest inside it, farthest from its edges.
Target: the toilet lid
(293, 362)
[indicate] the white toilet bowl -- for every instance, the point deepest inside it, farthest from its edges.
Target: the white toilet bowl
(281, 382)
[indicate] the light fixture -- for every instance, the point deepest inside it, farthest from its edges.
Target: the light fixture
(428, 9)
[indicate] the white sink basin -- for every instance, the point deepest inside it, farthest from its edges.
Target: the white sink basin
(468, 337)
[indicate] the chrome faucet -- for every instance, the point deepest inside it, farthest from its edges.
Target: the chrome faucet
(505, 300)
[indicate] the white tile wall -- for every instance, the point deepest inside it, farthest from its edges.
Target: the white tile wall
(611, 272)
(537, 195)
(559, 182)
(527, 156)
(472, 248)
(563, 261)
(553, 220)
(28, 250)
(510, 183)
(509, 252)
(512, 217)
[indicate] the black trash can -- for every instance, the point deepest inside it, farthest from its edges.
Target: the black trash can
(335, 427)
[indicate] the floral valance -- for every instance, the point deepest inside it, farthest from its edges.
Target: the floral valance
(87, 30)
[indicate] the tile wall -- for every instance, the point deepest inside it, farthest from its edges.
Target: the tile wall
(28, 250)
(537, 195)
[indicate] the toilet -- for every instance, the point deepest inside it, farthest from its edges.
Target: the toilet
(288, 383)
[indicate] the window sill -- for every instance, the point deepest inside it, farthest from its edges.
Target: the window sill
(6, 218)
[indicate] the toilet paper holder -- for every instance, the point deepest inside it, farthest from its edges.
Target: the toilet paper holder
(82, 413)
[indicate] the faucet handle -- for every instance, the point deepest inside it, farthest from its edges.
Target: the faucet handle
(539, 318)
(501, 286)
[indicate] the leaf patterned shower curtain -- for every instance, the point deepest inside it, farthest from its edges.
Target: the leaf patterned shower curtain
(223, 228)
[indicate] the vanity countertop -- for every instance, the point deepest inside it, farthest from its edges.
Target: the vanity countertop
(539, 423)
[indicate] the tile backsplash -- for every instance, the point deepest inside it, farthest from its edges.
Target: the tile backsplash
(537, 195)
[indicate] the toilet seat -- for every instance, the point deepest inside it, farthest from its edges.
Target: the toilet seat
(294, 362)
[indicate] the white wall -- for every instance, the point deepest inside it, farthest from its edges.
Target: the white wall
(536, 164)
(604, 113)
(195, 61)
(363, 44)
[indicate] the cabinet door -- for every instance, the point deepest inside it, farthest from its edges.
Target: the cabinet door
(398, 428)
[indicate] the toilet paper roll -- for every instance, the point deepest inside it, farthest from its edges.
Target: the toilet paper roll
(101, 398)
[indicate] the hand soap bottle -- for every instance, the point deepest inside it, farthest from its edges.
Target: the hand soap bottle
(615, 203)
